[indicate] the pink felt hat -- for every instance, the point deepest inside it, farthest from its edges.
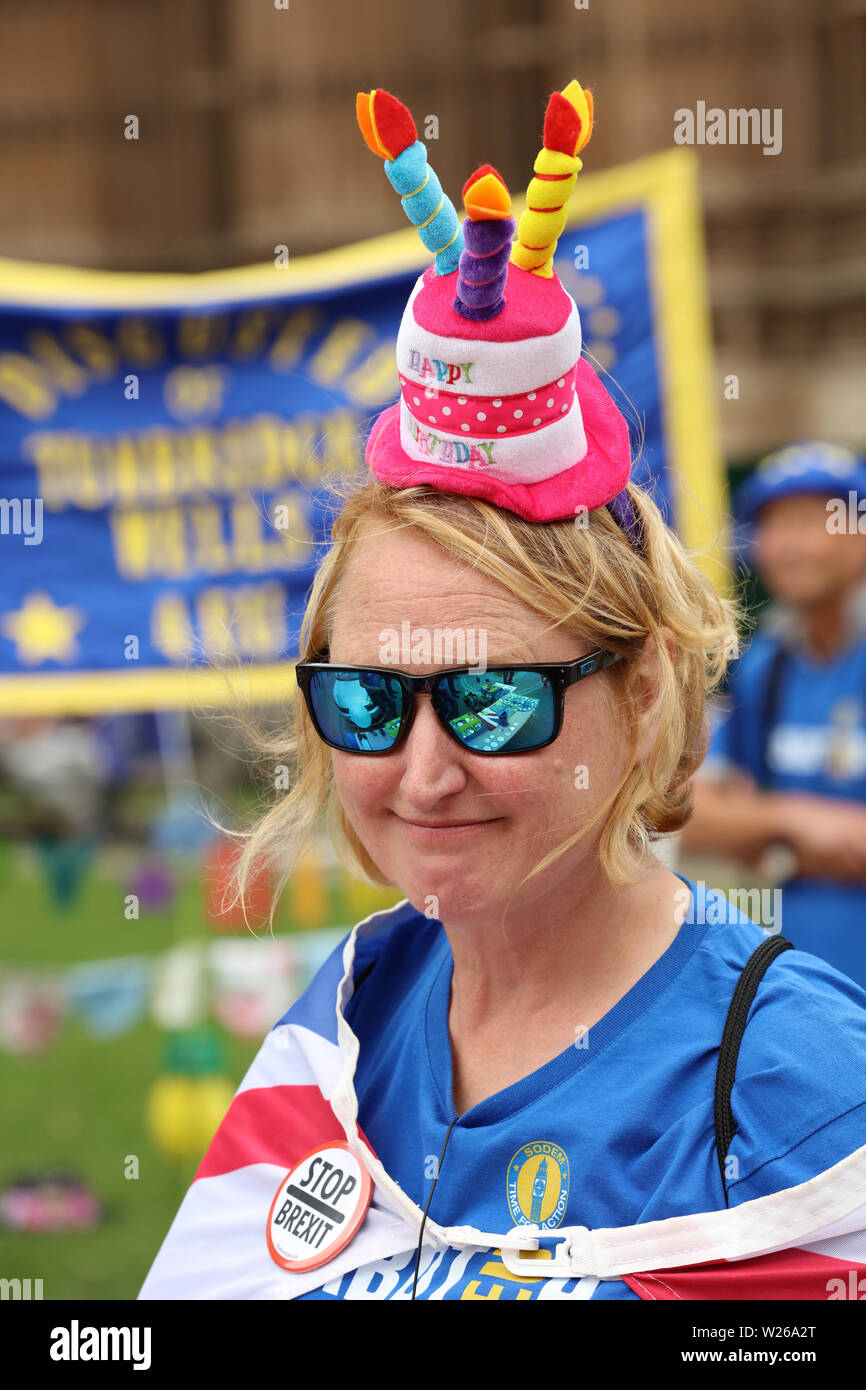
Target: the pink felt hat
(496, 400)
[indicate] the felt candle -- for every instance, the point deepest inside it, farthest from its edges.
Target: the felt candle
(389, 130)
(567, 128)
(487, 234)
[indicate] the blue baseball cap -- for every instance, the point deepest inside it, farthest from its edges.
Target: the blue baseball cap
(811, 466)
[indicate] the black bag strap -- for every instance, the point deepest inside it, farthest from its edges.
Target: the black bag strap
(732, 1036)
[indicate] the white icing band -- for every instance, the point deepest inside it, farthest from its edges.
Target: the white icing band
(496, 368)
(521, 458)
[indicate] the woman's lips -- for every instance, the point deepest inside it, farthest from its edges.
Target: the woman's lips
(430, 832)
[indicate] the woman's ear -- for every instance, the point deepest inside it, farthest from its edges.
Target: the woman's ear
(649, 680)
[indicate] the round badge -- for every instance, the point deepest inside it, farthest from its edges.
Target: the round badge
(319, 1206)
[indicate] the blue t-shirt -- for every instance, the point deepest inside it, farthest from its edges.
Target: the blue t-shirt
(817, 744)
(617, 1129)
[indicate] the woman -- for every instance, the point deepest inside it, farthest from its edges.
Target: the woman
(528, 1045)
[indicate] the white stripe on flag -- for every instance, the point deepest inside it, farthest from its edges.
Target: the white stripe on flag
(294, 1056)
(216, 1247)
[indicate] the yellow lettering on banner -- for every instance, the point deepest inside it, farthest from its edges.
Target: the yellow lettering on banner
(163, 465)
(209, 550)
(125, 472)
(377, 379)
(49, 453)
(237, 456)
(299, 450)
(197, 470)
(261, 619)
(26, 386)
(192, 462)
(158, 459)
(214, 613)
(170, 628)
(249, 621)
(130, 534)
(340, 442)
(169, 547)
(190, 391)
(194, 459)
(292, 524)
(269, 437)
(201, 335)
(87, 474)
(68, 374)
(200, 538)
(288, 348)
(94, 347)
(70, 471)
(140, 342)
(150, 541)
(345, 341)
(251, 330)
(250, 551)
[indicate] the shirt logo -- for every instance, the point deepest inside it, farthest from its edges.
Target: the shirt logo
(812, 750)
(537, 1185)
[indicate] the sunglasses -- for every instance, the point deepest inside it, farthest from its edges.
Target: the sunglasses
(502, 709)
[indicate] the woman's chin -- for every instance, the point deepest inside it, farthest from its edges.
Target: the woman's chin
(457, 902)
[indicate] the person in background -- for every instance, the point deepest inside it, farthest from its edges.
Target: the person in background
(784, 782)
(59, 769)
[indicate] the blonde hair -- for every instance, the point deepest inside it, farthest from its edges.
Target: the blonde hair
(586, 577)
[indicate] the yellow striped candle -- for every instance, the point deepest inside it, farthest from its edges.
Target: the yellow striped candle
(567, 128)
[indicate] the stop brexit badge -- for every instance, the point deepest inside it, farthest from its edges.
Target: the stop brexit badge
(319, 1206)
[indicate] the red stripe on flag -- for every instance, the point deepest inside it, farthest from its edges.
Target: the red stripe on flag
(791, 1274)
(270, 1124)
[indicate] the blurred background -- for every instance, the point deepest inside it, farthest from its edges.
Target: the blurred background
(131, 1003)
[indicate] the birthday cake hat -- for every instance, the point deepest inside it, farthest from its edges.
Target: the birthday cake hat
(496, 400)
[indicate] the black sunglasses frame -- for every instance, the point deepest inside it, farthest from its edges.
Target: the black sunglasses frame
(560, 674)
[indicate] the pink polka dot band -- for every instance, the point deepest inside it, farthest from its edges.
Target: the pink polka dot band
(484, 415)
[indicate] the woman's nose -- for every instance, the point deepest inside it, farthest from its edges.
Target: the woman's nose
(433, 761)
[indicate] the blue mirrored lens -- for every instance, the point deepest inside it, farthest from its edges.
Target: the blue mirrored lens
(357, 710)
(498, 710)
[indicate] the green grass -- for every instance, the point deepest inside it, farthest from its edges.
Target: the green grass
(34, 932)
(81, 1104)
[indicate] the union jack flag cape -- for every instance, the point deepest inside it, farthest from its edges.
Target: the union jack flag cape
(806, 1242)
